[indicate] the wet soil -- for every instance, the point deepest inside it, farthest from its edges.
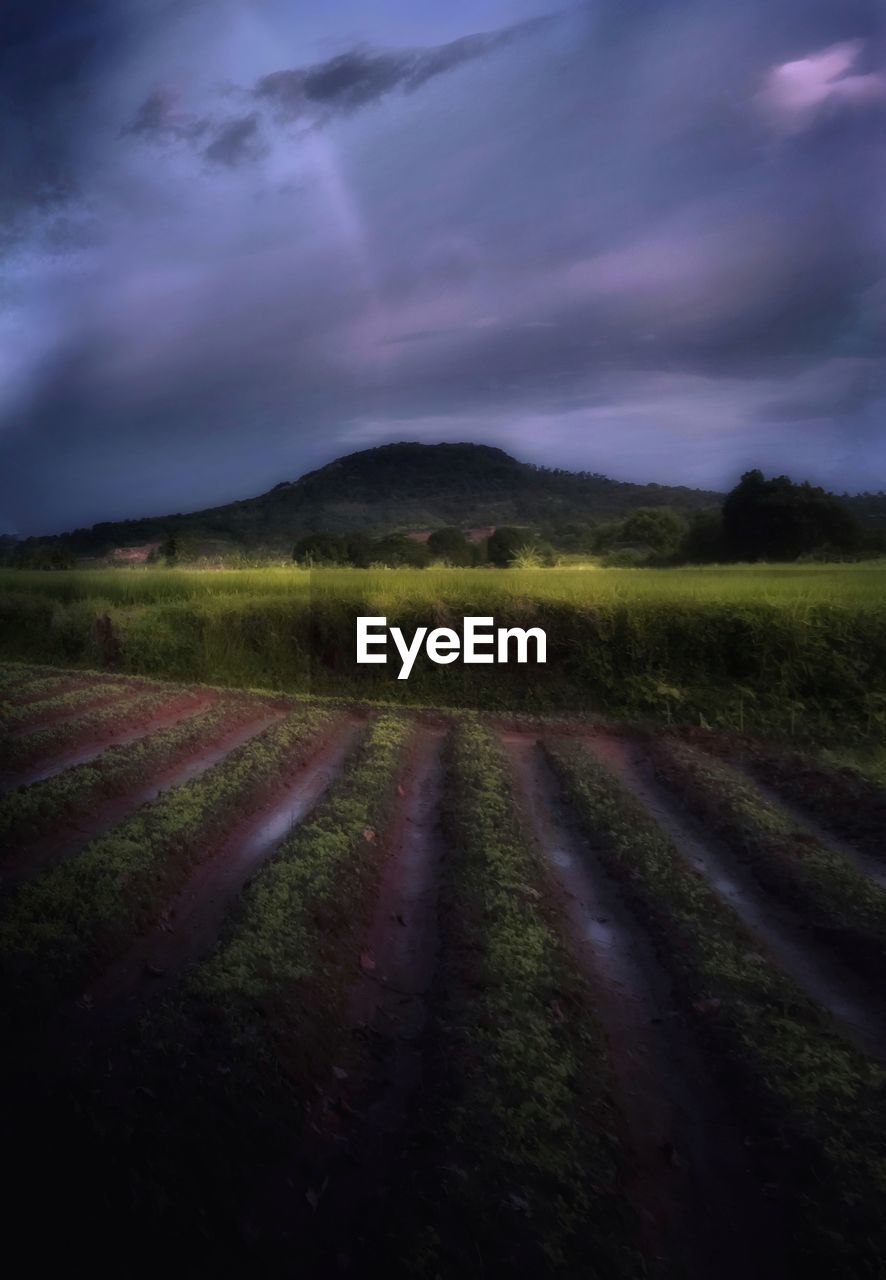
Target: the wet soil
(42, 718)
(865, 863)
(95, 741)
(329, 1204)
(192, 920)
(69, 837)
(779, 930)
(693, 1176)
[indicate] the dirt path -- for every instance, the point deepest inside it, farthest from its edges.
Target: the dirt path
(192, 920)
(71, 837)
(779, 929)
(95, 742)
(693, 1183)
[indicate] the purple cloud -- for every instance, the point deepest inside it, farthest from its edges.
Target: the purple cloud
(643, 239)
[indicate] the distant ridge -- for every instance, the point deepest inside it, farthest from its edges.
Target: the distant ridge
(398, 487)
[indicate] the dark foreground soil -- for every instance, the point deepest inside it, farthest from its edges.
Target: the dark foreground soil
(151, 1126)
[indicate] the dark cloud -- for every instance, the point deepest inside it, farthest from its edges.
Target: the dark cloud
(361, 76)
(316, 93)
(160, 116)
(843, 387)
(47, 53)
(236, 141)
(646, 239)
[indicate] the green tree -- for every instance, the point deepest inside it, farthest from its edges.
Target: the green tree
(168, 549)
(606, 534)
(779, 520)
(575, 537)
(398, 551)
(359, 550)
(479, 553)
(320, 548)
(49, 556)
(658, 528)
(450, 544)
(704, 543)
(503, 545)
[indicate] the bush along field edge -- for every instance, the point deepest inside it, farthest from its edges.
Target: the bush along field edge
(791, 669)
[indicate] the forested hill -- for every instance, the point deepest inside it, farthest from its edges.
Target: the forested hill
(401, 487)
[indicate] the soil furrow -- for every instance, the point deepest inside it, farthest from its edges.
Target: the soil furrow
(695, 1189)
(362, 1115)
(98, 696)
(388, 1001)
(779, 929)
(191, 921)
(73, 836)
(45, 688)
(93, 744)
(865, 863)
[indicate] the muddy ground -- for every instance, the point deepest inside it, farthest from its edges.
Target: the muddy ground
(701, 1176)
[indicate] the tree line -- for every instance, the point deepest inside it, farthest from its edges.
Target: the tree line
(760, 520)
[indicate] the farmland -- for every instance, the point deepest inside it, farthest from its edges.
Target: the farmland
(326, 986)
(787, 650)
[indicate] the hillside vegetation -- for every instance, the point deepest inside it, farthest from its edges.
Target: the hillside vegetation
(358, 510)
(396, 487)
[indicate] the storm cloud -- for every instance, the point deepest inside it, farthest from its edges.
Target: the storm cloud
(364, 75)
(239, 240)
(313, 95)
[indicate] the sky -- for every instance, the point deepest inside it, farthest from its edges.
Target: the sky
(239, 238)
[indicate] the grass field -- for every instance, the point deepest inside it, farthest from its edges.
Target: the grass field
(320, 988)
(848, 585)
(791, 650)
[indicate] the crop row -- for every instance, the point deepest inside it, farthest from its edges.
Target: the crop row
(58, 928)
(842, 798)
(234, 1051)
(523, 1162)
(19, 681)
(313, 887)
(134, 707)
(37, 709)
(834, 897)
(29, 813)
(18, 687)
(215, 1118)
(787, 1056)
(17, 678)
(519, 1141)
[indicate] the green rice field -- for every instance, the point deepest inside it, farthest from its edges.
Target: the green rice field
(793, 650)
(790, 585)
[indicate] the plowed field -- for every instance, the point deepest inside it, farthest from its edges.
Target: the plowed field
(295, 988)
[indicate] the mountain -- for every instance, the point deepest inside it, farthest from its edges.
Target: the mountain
(397, 487)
